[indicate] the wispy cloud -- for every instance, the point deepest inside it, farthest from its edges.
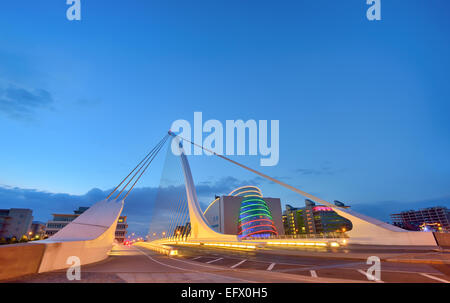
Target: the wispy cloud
(224, 185)
(325, 169)
(22, 103)
(308, 171)
(141, 205)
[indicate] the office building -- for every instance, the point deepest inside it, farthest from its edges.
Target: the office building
(15, 222)
(182, 230)
(61, 220)
(427, 219)
(121, 229)
(37, 230)
(314, 219)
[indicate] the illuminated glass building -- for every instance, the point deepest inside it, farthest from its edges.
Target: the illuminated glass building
(227, 214)
(255, 217)
(314, 219)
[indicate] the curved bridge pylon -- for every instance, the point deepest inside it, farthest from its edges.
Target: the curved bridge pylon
(366, 230)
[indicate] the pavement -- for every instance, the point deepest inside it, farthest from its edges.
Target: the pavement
(356, 252)
(193, 265)
(321, 263)
(140, 265)
(362, 252)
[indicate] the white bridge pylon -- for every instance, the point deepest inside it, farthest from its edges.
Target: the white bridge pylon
(199, 227)
(366, 230)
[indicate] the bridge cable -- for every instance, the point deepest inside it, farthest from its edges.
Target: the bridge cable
(155, 154)
(174, 218)
(154, 148)
(179, 214)
(180, 218)
(166, 206)
(173, 210)
(290, 187)
(184, 221)
(152, 154)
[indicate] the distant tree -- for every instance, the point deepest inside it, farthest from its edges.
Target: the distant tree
(23, 239)
(13, 240)
(3, 241)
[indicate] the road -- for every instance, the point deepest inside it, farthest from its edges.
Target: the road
(137, 264)
(316, 265)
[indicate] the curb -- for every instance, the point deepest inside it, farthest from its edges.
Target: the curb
(419, 261)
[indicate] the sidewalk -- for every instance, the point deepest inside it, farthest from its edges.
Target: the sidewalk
(387, 255)
(430, 258)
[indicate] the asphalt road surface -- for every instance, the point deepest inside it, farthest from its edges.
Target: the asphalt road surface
(137, 264)
(350, 270)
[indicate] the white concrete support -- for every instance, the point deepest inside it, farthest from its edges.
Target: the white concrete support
(199, 227)
(367, 230)
(89, 237)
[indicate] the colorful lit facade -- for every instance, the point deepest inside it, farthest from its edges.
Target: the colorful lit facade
(255, 217)
(313, 219)
(427, 219)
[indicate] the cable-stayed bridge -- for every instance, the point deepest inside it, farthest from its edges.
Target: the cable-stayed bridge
(178, 224)
(366, 230)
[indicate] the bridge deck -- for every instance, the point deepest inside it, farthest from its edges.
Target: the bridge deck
(137, 264)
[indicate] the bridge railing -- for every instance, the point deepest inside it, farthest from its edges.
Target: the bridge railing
(330, 235)
(339, 235)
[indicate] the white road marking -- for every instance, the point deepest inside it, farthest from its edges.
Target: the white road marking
(314, 267)
(369, 276)
(215, 260)
(156, 261)
(189, 270)
(196, 258)
(403, 271)
(237, 264)
(434, 278)
(271, 266)
(313, 273)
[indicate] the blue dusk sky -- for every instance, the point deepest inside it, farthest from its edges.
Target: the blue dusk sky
(363, 106)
